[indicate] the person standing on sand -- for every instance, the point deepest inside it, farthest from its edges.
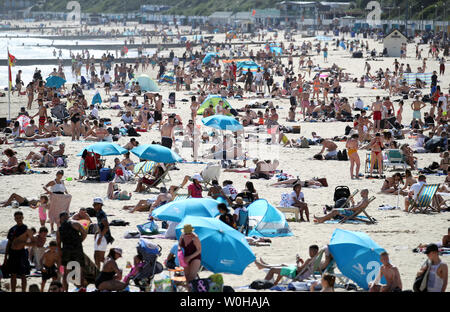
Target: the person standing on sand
(438, 270)
(103, 237)
(42, 112)
(377, 108)
(352, 147)
(16, 260)
(416, 106)
(30, 94)
(390, 273)
(167, 133)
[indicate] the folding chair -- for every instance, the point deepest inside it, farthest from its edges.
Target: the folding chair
(395, 159)
(159, 180)
(354, 216)
(143, 168)
(425, 199)
(367, 164)
(209, 173)
(242, 224)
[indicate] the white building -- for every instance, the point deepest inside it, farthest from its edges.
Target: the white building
(393, 42)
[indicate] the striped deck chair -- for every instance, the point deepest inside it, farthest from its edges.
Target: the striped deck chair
(143, 168)
(425, 199)
(180, 197)
(160, 180)
(354, 216)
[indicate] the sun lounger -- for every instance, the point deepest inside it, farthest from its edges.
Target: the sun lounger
(354, 216)
(395, 159)
(425, 201)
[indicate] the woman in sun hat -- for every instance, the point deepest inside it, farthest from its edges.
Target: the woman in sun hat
(190, 249)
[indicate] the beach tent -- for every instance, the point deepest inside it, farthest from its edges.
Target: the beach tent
(214, 100)
(96, 99)
(267, 221)
(246, 66)
(146, 83)
(208, 57)
(410, 78)
(276, 50)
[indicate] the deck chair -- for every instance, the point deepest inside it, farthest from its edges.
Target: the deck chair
(209, 173)
(395, 159)
(180, 197)
(160, 180)
(144, 167)
(425, 201)
(367, 164)
(354, 216)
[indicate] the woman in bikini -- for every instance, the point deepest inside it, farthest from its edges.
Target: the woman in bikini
(400, 112)
(352, 147)
(409, 180)
(326, 89)
(376, 155)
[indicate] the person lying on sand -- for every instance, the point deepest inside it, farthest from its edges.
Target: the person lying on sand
(21, 200)
(344, 212)
(302, 270)
(148, 205)
(292, 182)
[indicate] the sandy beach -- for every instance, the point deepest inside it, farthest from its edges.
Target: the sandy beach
(396, 231)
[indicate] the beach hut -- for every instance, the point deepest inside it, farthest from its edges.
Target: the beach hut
(393, 42)
(267, 221)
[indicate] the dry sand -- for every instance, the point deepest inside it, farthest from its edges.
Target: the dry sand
(395, 231)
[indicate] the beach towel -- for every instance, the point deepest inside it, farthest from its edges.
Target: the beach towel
(350, 221)
(388, 207)
(58, 203)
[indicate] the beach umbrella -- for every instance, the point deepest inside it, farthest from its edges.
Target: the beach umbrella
(222, 122)
(156, 153)
(224, 249)
(105, 149)
(176, 211)
(146, 83)
(241, 64)
(208, 57)
(54, 82)
(97, 99)
(357, 256)
(144, 167)
(276, 50)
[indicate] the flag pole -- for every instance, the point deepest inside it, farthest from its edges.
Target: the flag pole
(9, 86)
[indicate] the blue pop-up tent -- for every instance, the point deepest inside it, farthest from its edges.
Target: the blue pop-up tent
(267, 221)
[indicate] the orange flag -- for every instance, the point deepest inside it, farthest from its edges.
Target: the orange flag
(11, 62)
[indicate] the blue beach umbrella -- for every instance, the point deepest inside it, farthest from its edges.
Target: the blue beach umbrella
(105, 149)
(357, 256)
(177, 210)
(54, 82)
(156, 153)
(224, 250)
(276, 50)
(222, 122)
(208, 57)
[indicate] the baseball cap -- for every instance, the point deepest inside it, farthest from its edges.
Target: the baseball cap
(431, 248)
(98, 200)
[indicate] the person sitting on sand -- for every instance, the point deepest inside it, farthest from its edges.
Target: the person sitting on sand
(331, 148)
(446, 239)
(225, 215)
(391, 185)
(12, 159)
(409, 180)
(301, 271)
(114, 192)
(82, 215)
(390, 273)
(264, 169)
(345, 212)
(110, 277)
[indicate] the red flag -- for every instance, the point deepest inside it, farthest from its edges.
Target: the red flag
(254, 12)
(11, 62)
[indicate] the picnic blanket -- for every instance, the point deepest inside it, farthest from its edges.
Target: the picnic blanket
(58, 203)
(410, 78)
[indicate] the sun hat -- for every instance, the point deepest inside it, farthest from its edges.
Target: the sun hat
(188, 229)
(197, 177)
(43, 149)
(98, 200)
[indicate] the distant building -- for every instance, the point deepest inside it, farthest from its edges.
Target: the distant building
(151, 8)
(267, 17)
(220, 18)
(393, 42)
(301, 10)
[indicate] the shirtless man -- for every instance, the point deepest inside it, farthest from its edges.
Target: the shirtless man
(209, 111)
(389, 106)
(31, 129)
(446, 239)
(344, 212)
(51, 261)
(416, 106)
(42, 112)
(331, 148)
(167, 132)
(16, 260)
(390, 273)
(377, 108)
(158, 110)
(352, 147)
(65, 128)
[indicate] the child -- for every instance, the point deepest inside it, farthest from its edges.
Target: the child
(42, 206)
(138, 265)
(51, 262)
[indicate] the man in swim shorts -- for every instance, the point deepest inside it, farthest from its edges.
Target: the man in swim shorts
(377, 107)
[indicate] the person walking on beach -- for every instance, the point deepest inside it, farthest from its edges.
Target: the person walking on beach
(438, 270)
(377, 108)
(167, 132)
(103, 237)
(16, 260)
(42, 113)
(352, 147)
(390, 273)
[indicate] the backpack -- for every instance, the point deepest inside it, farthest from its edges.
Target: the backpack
(261, 285)
(132, 132)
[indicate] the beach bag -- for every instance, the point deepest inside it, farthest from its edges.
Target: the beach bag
(93, 228)
(200, 285)
(318, 157)
(180, 255)
(149, 228)
(261, 285)
(216, 283)
(420, 283)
